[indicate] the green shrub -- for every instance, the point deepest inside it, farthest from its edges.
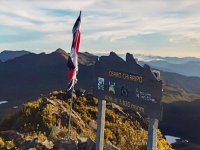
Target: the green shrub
(30, 108)
(48, 116)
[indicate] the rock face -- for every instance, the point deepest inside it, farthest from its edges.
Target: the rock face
(9, 135)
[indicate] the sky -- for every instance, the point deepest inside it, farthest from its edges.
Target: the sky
(150, 27)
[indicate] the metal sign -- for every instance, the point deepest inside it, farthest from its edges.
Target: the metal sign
(126, 83)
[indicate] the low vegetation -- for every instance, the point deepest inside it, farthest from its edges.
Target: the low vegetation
(47, 119)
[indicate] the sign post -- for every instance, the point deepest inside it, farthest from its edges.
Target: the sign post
(127, 84)
(100, 124)
(152, 134)
(153, 125)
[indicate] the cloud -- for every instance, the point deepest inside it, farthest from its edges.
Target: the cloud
(113, 21)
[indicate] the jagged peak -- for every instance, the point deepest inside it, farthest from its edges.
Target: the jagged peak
(60, 51)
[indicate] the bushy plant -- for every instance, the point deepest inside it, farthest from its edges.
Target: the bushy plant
(2, 144)
(9, 144)
(48, 116)
(30, 107)
(41, 137)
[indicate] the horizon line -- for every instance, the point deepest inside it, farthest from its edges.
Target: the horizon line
(137, 52)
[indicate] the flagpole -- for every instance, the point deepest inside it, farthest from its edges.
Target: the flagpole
(73, 65)
(70, 113)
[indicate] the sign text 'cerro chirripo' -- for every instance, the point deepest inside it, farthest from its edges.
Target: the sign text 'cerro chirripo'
(128, 84)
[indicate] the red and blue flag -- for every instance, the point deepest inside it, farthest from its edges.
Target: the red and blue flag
(73, 58)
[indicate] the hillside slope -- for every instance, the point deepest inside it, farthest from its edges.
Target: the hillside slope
(44, 122)
(40, 73)
(181, 81)
(181, 114)
(172, 94)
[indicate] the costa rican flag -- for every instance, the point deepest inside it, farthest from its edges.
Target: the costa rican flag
(73, 58)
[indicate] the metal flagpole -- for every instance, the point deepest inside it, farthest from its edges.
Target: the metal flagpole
(70, 113)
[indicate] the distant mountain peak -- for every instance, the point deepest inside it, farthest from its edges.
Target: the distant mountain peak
(9, 55)
(60, 51)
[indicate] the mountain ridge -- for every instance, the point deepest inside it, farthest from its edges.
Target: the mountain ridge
(9, 55)
(26, 77)
(41, 70)
(190, 68)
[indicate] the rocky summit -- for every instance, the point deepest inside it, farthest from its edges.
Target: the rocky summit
(43, 124)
